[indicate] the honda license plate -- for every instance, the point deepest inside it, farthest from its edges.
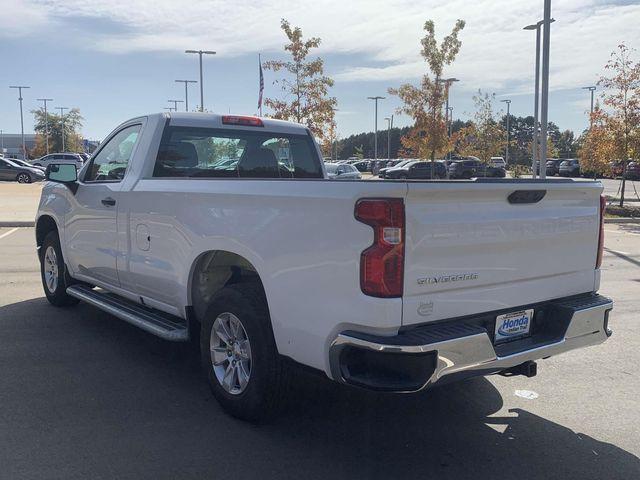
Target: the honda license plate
(513, 325)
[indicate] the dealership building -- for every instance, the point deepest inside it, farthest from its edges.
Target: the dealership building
(11, 144)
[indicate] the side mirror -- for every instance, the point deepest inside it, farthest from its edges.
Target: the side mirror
(63, 173)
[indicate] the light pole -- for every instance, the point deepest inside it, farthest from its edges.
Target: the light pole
(448, 82)
(186, 92)
(506, 159)
(62, 109)
(591, 89)
(544, 94)
(335, 135)
(46, 121)
(536, 126)
(375, 138)
(389, 127)
(450, 124)
(175, 103)
(24, 148)
(200, 53)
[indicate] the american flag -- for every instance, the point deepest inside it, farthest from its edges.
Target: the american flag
(261, 85)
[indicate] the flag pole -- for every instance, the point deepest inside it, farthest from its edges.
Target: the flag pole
(261, 85)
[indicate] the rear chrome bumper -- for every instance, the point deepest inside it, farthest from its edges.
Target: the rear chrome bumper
(423, 356)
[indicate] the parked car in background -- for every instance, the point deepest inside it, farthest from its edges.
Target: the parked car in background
(59, 158)
(84, 156)
(377, 165)
(418, 170)
(465, 169)
(553, 167)
(362, 165)
(22, 163)
(569, 168)
(342, 171)
(616, 168)
(392, 164)
(9, 170)
(498, 162)
(633, 171)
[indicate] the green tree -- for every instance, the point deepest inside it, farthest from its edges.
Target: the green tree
(621, 99)
(598, 146)
(424, 103)
(72, 137)
(306, 88)
(485, 137)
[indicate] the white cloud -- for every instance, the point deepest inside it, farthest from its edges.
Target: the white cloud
(21, 17)
(383, 35)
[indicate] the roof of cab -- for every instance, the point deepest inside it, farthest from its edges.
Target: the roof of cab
(197, 119)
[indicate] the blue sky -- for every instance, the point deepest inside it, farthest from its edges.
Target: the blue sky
(118, 59)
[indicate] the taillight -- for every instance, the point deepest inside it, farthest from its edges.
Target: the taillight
(242, 120)
(382, 264)
(603, 207)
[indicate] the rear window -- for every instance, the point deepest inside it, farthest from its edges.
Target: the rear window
(210, 153)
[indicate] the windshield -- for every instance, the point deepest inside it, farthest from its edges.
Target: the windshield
(402, 163)
(21, 163)
(11, 162)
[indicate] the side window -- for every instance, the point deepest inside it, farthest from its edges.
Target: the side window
(110, 164)
(210, 153)
(56, 157)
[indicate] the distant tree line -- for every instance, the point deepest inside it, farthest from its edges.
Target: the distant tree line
(564, 143)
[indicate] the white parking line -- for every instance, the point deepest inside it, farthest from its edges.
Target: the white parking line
(6, 234)
(613, 252)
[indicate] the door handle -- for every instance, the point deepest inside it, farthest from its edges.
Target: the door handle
(108, 201)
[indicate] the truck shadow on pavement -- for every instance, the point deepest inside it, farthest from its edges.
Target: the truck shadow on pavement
(85, 395)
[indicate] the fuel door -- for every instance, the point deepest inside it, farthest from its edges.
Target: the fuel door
(143, 237)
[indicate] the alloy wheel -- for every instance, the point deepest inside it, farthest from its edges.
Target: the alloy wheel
(230, 353)
(50, 269)
(24, 178)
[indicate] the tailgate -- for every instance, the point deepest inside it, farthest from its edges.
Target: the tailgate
(469, 250)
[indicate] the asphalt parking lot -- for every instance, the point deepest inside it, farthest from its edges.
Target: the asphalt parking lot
(84, 395)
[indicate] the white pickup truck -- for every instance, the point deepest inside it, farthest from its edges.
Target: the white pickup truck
(225, 229)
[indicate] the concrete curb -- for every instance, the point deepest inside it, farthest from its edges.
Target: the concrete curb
(17, 223)
(622, 220)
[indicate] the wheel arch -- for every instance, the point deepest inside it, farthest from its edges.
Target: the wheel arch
(213, 270)
(44, 225)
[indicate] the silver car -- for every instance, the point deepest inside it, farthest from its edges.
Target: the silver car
(342, 171)
(72, 158)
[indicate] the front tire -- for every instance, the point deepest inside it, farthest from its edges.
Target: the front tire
(239, 355)
(55, 278)
(23, 178)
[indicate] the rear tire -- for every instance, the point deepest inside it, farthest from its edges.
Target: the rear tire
(53, 271)
(23, 178)
(244, 370)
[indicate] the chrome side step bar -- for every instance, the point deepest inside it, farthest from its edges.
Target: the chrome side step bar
(157, 323)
